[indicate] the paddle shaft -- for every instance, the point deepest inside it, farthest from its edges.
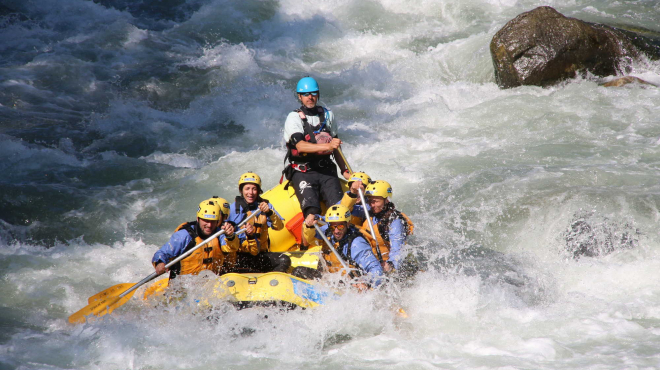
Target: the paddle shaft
(364, 205)
(188, 253)
(332, 248)
(371, 227)
(348, 166)
(116, 290)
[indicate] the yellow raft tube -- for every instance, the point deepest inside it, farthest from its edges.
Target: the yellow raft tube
(269, 288)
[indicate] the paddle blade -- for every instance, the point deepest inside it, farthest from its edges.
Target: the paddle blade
(99, 308)
(114, 290)
(156, 288)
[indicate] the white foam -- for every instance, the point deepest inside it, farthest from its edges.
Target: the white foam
(176, 160)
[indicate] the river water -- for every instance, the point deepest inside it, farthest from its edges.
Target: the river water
(535, 208)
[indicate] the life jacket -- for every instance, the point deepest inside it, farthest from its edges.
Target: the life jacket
(382, 229)
(357, 221)
(331, 259)
(209, 257)
(260, 224)
(303, 161)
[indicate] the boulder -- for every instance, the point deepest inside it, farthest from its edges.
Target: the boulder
(622, 81)
(593, 235)
(542, 47)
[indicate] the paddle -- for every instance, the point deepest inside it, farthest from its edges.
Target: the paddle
(348, 166)
(112, 291)
(371, 227)
(332, 248)
(109, 303)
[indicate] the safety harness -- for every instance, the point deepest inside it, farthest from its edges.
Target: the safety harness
(304, 162)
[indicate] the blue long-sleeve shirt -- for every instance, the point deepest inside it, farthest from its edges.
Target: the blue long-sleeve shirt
(361, 253)
(177, 243)
(397, 234)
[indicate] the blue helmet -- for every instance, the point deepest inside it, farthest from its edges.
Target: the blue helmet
(307, 84)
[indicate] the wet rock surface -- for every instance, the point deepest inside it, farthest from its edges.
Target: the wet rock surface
(591, 235)
(618, 82)
(542, 47)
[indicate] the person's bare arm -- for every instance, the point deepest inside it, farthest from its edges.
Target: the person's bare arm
(306, 147)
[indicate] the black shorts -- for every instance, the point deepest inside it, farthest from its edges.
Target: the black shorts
(312, 187)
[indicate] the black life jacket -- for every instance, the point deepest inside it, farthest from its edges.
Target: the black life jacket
(385, 218)
(310, 133)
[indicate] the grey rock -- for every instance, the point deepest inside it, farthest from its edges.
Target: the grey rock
(542, 47)
(593, 235)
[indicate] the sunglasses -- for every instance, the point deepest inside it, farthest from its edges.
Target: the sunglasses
(337, 226)
(310, 93)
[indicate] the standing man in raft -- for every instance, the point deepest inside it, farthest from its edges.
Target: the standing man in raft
(311, 139)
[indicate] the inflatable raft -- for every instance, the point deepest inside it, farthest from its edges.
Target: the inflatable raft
(264, 289)
(286, 204)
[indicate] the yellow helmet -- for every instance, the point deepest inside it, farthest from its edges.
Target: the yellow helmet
(224, 204)
(366, 180)
(209, 210)
(338, 213)
(250, 178)
(379, 188)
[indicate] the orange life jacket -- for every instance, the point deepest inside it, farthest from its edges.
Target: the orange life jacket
(259, 241)
(331, 259)
(357, 221)
(384, 245)
(209, 257)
